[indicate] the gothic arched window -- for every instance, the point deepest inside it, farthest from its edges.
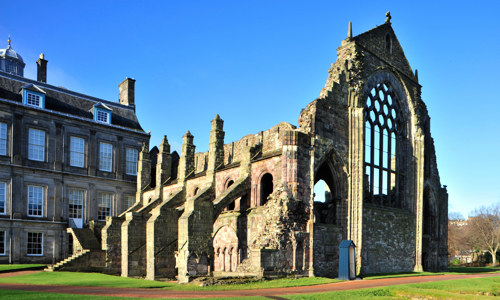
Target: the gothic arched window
(383, 131)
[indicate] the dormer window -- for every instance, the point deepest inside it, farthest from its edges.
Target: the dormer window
(33, 96)
(102, 116)
(102, 113)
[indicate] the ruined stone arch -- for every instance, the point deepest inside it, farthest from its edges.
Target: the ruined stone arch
(265, 187)
(331, 169)
(226, 245)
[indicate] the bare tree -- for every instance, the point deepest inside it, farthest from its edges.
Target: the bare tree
(457, 234)
(484, 226)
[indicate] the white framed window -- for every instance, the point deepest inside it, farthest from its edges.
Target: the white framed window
(3, 196)
(3, 139)
(105, 157)
(36, 144)
(35, 244)
(2, 242)
(104, 204)
(129, 201)
(77, 152)
(75, 209)
(35, 201)
(131, 156)
(102, 116)
(33, 99)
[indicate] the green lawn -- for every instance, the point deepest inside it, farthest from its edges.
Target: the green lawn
(483, 288)
(452, 270)
(19, 267)
(97, 279)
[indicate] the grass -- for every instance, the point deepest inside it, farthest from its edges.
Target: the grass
(452, 289)
(19, 267)
(452, 270)
(24, 295)
(102, 280)
(475, 288)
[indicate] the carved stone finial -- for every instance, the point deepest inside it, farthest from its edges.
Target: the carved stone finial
(9, 40)
(388, 17)
(42, 56)
(349, 30)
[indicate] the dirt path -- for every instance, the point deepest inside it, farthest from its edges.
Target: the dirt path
(156, 293)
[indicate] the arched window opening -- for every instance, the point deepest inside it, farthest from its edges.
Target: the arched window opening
(388, 43)
(325, 206)
(196, 190)
(383, 174)
(266, 187)
(231, 206)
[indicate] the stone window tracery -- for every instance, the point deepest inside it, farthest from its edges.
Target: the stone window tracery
(383, 131)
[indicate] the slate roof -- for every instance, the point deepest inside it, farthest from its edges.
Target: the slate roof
(64, 101)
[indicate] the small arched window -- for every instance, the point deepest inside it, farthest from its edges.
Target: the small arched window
(232, 205)
(383, 131)
(266, 187)
(196, 191)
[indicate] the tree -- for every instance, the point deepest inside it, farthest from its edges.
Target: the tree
(484, 227)
(457, 234)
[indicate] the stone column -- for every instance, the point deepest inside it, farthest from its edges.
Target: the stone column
(419, 146)
(355, 181)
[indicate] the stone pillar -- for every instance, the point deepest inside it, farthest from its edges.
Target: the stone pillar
(355, 181)
(419, 146)
(133, 239)
(58, 149)
(215, 147)
(143, 171)
(163, 165)
(17, 143)
(195, 236)
(93, 155)
(186, 161)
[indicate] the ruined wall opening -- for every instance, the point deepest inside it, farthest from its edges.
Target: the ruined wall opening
(231, 205)
(226, 245)
(266, 187)
(384, 176)
(325, 206)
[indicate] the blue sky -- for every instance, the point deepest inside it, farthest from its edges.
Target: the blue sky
(258, 63)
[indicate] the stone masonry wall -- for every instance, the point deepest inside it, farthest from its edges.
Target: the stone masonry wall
(388, 240)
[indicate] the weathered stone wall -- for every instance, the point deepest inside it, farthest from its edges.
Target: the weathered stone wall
(327, 239)
(388, 240)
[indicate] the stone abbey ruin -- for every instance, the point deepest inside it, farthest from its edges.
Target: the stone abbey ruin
(247, 208)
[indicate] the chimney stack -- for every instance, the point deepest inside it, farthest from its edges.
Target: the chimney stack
(41, 70)
(126, 91)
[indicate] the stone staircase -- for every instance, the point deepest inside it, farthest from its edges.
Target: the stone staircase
(57, 266)
(85, 242)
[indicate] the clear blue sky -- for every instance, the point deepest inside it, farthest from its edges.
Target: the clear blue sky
(257, 63)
